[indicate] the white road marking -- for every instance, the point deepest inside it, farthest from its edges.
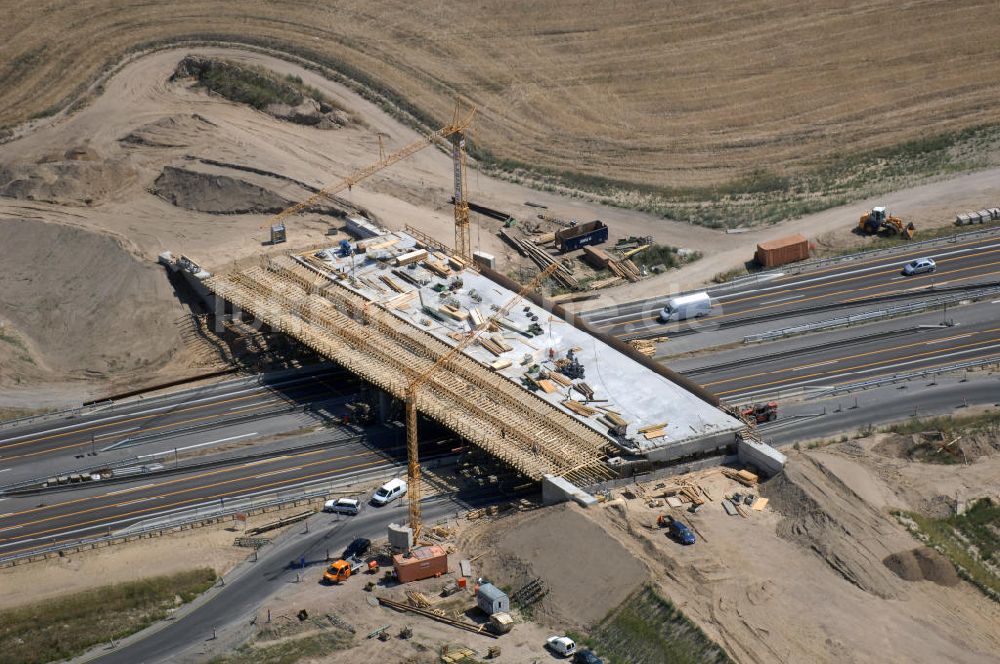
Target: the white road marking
(219, 397)
(5, 470)
(137, 500)
(129, 489)
(783, 299)
(941, 341)
(213, 442)
(9, 528)
(115, 433)
(818, 364)
(277, 472)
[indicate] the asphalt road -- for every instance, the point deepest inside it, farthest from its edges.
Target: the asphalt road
(48, 518)
(118, 427)
(820, 361)
(67, 515)
(855, 283)
(847, 413)
(239, 601)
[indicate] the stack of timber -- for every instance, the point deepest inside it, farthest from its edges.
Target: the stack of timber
(604, 283)
(625, 269)
(744, 477)
(542, 259)
(647, 346)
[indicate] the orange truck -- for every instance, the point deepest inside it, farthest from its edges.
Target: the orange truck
(343, 569)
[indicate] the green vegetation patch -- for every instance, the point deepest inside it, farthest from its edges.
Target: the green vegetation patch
(289, 651)
(649, 629)
(250, 84)
(67, 626)
(971, 540)
(665, 255)
(951, 425)
(765, 197)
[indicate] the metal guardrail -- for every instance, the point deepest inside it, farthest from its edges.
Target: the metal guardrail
(145, 462)
(796, 268)
(151, 527)
(208, 426)
(833, 260)
(66, 414)
(867, 316)
(895, 378)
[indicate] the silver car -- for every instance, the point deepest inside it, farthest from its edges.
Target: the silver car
(919, 266)
(343, 506)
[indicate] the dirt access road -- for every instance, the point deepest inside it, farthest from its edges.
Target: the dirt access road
(70, 321)
(670, 94)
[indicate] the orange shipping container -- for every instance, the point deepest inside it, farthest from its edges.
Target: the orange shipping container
(783, 251)
(422, 563)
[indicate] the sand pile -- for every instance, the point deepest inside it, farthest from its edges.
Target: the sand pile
(587, 572)
(922, 564)
(173, 131)
(822, 514)
(80, 303)
(216, 194)
(78, 176)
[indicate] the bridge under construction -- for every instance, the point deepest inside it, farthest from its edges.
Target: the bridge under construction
(388, 307)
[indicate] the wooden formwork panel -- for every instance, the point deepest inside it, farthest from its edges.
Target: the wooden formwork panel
(483, 407)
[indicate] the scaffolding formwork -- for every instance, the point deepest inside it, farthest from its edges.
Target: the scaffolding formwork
(485, 408)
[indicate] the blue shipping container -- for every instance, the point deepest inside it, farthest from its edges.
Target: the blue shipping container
(574, 237)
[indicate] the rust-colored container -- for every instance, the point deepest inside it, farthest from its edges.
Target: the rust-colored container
(783, 251)
(423, 563)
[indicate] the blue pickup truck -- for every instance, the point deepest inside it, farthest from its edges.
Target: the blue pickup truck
(676, 530)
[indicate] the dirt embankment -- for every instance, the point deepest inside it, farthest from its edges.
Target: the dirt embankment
(922, 564)
(78, 176)
(216, 194)
(80, 303)
(587, 573)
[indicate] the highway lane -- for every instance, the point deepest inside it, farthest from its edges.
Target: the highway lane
(40, 520)
(191, 408)
(819, 362)
(852, 283)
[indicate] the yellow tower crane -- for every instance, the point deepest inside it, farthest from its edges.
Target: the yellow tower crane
(456, 128)
(463, 241)
(412, 453)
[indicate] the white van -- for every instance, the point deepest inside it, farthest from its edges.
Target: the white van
(686, 306)
(389, 492)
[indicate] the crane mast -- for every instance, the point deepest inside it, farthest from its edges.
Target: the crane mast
(462, 240)
(412, 450)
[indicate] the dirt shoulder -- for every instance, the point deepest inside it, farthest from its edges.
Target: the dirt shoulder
(815, 576)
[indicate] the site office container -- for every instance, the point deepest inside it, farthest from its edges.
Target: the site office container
(574, 237)
(783, 251)
(422, 563)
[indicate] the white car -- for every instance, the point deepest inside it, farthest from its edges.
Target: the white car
(561, 645)
(389, 492)
(343, 506)
(919, 266)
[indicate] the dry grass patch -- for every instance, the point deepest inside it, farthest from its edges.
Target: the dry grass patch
(61, 628)
(715, 113)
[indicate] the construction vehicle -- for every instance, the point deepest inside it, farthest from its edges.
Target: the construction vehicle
(760, 412)
(676, 530)
(878, 220)
(343, 569)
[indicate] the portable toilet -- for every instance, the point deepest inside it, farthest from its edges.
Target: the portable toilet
(492, 600)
